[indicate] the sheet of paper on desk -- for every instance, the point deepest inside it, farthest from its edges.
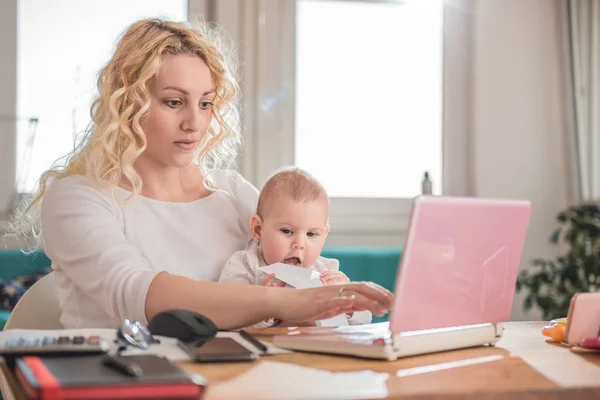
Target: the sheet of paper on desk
(276, 380)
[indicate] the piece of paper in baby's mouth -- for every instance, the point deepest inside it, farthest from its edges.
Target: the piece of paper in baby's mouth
(289, 274)
(302, 278)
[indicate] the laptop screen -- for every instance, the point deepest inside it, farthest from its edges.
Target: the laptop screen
(460, 262)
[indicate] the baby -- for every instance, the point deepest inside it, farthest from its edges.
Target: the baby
(290, 226)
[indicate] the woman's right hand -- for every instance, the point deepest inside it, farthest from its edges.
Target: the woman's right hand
(304, 305)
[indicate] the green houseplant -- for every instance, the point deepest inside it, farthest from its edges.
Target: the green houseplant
(551, 283)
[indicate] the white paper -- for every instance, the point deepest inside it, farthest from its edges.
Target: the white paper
(302, 278)
(289, 274)
(338, 320)
(313, 281)
(276, 380)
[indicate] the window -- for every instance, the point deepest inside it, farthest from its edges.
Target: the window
(61, 47)
(391, 124)
(369, 95)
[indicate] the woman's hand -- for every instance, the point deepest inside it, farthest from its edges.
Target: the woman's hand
(303, 305)
(331, 277)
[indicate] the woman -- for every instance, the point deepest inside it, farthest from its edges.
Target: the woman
(144, 215)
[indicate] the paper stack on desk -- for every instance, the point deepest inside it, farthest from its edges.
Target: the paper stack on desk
(280, 381)
(301, 278)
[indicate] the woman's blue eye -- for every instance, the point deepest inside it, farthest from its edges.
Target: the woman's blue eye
(205, 105)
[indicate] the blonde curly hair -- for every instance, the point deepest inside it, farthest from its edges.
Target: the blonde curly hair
(115, 139)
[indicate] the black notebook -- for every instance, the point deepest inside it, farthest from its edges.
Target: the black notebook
(87, 377)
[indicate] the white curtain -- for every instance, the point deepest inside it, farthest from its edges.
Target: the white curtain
(583, 33)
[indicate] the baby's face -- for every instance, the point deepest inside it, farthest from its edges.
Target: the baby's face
(294, 232)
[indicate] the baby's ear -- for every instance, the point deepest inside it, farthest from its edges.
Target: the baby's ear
(326, 230)
(255, 228)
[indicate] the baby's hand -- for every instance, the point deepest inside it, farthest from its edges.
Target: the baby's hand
(330, 277)
(269, 281)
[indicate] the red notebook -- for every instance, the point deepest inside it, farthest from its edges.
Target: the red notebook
(54, 378)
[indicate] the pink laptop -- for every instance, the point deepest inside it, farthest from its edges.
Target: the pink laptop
(455, 282)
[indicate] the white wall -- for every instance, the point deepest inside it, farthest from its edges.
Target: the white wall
(519, 117)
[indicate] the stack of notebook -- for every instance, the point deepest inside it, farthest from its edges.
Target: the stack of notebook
(87, 377)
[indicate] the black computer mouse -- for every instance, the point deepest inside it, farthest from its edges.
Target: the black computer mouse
(185, 325)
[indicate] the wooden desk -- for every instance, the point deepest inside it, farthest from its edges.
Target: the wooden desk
(524, 367)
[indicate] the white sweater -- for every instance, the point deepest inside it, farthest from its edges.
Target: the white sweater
(106, 252)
